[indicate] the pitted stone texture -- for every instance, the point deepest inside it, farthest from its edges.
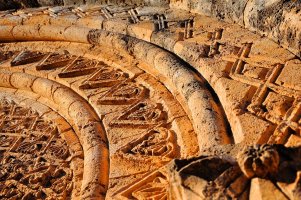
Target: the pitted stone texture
(217, 175)
(154, 107)
(145, 124)
(259, 161)
(17, 4)
(31, 142)
(277, 19)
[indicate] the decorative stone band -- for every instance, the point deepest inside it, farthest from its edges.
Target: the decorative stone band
(207, 119)
(278, 20)
(49, 33)
(247, 74)
(83, 118)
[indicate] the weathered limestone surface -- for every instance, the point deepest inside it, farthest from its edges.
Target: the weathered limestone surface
(277, 19)
(136, 110)
(150, 102)
(228, 177)
(54, 142)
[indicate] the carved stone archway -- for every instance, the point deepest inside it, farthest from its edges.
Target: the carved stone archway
(104, 93)
(125, 102)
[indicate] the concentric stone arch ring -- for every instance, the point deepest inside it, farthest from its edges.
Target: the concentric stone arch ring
(85, 121)
(85, 96)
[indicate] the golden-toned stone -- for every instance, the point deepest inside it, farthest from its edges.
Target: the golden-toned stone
(150, 100)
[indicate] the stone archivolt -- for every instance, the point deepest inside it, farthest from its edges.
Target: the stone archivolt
(131, 109)
(101, 102)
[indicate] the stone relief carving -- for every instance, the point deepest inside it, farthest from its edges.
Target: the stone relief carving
(104, 77)
(55, 60)
(141, 121)
(26, 57)
(34, 158)
(156, 142)
(268, 91)
(123, 93)
(141, 115)
(79, 67)
(153, 186)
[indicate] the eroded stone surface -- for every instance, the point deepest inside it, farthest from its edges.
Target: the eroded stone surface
(150, 125)
(41, 158)
(224, 176)
(145, 124)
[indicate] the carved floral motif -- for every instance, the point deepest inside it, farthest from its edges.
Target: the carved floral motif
(259, 161)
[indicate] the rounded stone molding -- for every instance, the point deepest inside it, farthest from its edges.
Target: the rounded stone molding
(71, 82)
(199, 103)
(169, 91)
(81, 116)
